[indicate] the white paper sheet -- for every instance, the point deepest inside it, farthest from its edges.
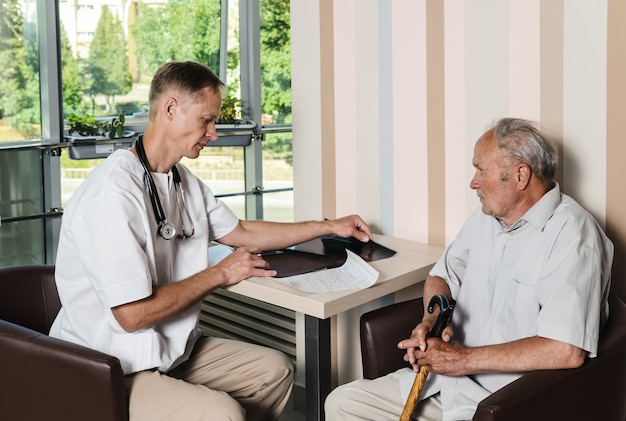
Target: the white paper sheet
(355, 273)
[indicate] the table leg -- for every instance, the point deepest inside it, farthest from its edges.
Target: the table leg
(317, 363)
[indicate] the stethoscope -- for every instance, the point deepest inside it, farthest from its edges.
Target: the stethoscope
(165, 229)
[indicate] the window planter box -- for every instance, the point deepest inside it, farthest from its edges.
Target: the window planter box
(234, 134)
(96, 147)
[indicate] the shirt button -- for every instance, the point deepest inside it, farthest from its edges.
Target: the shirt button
(487, 301)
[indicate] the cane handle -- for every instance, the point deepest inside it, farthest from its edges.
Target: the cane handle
(443, 319)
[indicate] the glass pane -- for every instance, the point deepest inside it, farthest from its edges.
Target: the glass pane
(276, 109)
(237, 204)
(21, 243)
(278, 207)
(20, 115)
(20, 183)
(278, 174)
(275, 62)
(21, 196)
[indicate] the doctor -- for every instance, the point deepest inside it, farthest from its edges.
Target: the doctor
(131, 268)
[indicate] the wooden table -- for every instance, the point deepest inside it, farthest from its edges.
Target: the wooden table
(408, 266)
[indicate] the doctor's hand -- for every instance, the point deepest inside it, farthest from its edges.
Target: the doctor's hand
(243, 263)
(351, 226)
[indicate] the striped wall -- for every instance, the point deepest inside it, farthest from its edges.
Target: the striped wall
(389, 97)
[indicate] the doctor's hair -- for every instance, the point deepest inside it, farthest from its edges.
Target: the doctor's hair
(186, 77)
(523, 141)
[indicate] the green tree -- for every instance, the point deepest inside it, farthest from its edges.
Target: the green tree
(72, 79)
(175, 31)
(108, 60)
(153, 43)
(19, 71)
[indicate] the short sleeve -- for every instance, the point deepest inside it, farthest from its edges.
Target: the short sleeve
(115, 263)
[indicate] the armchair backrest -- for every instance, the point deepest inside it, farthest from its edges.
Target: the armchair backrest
(29, 297)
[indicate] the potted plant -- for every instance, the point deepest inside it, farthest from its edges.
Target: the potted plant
(89, 128)
(232, 127)
(231, 113)
(86, 133)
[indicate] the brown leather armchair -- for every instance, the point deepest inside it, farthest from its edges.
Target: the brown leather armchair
(595, 391)
(44, 378)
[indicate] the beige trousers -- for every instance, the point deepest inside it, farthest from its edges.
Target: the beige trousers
(377, 400)
(222, 380)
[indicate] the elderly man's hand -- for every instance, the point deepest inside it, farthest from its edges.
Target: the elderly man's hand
(448, 358)
(418, 341)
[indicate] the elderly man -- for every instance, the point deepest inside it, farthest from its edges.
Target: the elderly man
(530, 273)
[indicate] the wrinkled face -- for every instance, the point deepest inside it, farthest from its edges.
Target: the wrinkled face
(193, 124)
(496, 189)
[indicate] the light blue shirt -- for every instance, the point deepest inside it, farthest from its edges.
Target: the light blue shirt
(547, 275)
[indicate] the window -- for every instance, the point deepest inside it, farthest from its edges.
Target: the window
(20, 119)
(109, 50)
(166, 30)
(275, 46)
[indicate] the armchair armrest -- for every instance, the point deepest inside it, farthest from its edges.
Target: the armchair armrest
(597, 390)
(381, 330)
(47, 378)
(580, 393)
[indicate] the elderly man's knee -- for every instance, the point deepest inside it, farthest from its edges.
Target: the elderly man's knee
(334, 402)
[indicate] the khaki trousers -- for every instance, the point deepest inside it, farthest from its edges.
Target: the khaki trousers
(222, 380)
(377, 400)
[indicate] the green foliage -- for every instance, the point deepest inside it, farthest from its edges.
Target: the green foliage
(108, 59)
(72, 78)
(230, 112)
(175, 31)
(87, 125)
(19, 71)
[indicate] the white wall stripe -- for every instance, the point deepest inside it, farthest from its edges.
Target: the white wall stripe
(584, 103)
(409, 96)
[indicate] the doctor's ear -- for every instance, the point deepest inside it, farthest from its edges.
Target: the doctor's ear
(169, 106)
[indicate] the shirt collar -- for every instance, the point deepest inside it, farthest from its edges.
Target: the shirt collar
(542, 211)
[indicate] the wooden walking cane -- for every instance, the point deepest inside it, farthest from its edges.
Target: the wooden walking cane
(444, 318)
